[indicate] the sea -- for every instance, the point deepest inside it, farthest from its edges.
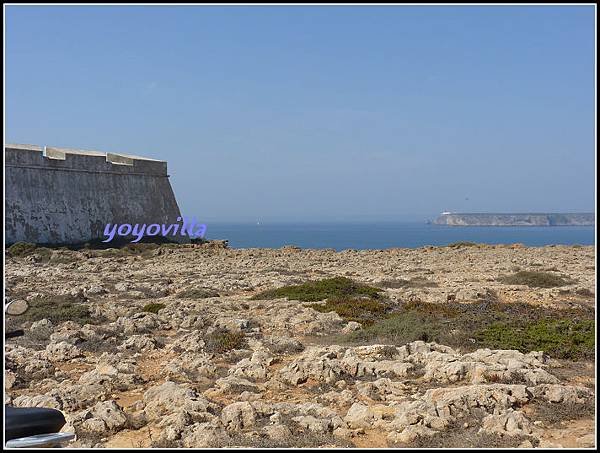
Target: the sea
(377, 236)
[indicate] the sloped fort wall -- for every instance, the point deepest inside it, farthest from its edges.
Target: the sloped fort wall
(65, 196)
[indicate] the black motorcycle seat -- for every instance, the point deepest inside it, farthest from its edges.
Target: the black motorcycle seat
(29, 421)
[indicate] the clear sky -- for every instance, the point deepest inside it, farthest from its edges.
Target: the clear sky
(319, 113)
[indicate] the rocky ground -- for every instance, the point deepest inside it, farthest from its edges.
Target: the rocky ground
(208, 365)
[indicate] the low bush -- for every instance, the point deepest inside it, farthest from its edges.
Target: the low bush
(416, 282)
(223, 340)
(400, 328)
(153, 308)
(314, 291)
(536, 279)
(363, 310)
(197, 293)
(557, 413)
(59, 309)
(21, 249)
(563, 338)
(584, 292)
(562, 333)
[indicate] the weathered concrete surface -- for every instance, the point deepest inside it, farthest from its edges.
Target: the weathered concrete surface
(64, 196)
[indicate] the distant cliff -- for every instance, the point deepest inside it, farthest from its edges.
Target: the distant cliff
(533, 219)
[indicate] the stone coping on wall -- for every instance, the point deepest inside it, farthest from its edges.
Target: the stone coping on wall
(68, 159)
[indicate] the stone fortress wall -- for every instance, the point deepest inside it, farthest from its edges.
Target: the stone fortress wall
(67, 196)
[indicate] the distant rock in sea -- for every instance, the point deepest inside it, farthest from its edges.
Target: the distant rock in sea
(526, 219)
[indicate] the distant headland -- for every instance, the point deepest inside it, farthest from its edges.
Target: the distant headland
(525, 219)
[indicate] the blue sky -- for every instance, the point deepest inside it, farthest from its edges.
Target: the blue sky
(319, 113)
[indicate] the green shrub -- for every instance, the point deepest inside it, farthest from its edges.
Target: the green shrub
(515, 377)
(536, 279)
(400, 328)
(562, 333)
(223, 340)
(562, 338)
(59, 309)
(153, 308)
(124, 249)
(556, 413)
(298, 439)
(441, 311)
(143, 249)
(415, 282)
(584, 292)
(314, 291)
(363, 310)
(21, 249)
(197, 293)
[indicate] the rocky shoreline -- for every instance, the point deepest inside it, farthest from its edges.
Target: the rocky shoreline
(172, 345)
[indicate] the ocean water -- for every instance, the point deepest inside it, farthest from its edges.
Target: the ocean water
(341, 236)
